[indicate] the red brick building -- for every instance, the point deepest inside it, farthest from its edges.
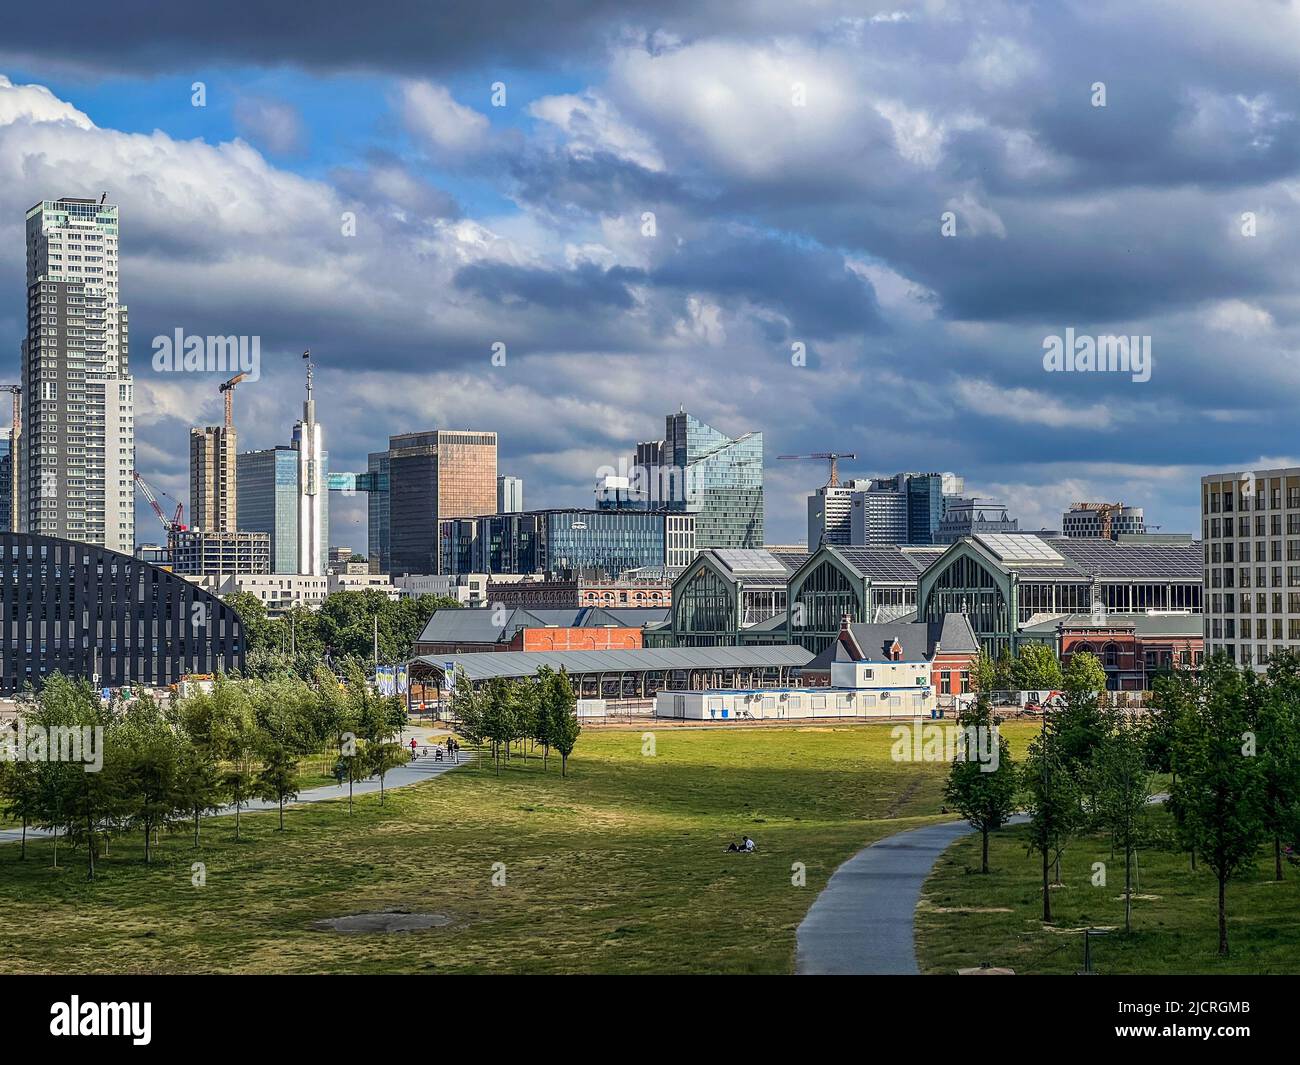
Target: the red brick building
(1131, 647)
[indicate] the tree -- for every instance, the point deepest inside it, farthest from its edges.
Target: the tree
(548, 691)
(1002, 671)
(1124, 788)
(984, 676)
(1052, 802)
(563, 727)
(380, 758)
(20, 796)
(1278, 736)
(1079, 724)
(277, 780)
(1036, 669)
(234, 735)
(1220, 784)
(983, 792)
(152, 761)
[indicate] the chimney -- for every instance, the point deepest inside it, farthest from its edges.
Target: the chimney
(845, 621)
(895, 651)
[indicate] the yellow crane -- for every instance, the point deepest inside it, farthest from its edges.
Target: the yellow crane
(228, 390)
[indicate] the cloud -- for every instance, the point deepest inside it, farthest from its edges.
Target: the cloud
(271, 124)
(434, 117)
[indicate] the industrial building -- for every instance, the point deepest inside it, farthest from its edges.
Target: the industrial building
(1132, 648)
(457, 631)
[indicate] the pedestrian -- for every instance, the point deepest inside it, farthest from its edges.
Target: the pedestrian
(413, 746)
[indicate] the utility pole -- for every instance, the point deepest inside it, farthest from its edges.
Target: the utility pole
(376, 619)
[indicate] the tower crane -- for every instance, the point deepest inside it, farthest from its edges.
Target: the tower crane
(833, 456)
(174, 524)
(228, 390)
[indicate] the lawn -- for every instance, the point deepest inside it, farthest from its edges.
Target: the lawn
(620, 868)
(966, 918)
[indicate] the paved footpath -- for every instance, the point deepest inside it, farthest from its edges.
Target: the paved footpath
(863, 921)
(423, 768)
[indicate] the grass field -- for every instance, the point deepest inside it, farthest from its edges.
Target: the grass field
(966, 918)
(619, 868)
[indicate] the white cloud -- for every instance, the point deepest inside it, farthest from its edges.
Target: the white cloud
(431, 113)
(592, 125)
(35, 103)
(1031, 407)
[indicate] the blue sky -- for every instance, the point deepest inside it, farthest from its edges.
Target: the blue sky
(799, 164)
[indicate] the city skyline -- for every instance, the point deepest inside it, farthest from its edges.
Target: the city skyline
(524, 225)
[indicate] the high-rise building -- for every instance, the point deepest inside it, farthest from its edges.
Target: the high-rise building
(213, 477)
(377, 524)
(433, 476)
(1110, 520)
(313, 489)
(972, 517)
(1250, 526)
(510, 494)
(723, 481)
(78, 451)
(879, 515)
(830, 512)
(906, 508)
(269, 502)
(6, 479)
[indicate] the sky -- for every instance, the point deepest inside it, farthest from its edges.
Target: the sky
(850, 226)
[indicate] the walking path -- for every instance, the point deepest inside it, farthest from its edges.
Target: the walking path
(423, 768)
(862, 922)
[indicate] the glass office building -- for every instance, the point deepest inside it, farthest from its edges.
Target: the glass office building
(268, 502)
(723, 482)
(6, 481)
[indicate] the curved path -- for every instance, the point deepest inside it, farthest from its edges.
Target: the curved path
(863, 921)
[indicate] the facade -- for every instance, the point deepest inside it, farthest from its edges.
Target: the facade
(498, 629)
(379, 547)
(1111, 520)
(723, 481)
(213, 478)
(78, 441)
(731, 598)
(210, 552)
(580, 592)
(7, 457)
(878, 516)
(1250, 522)
(830, 511)
(313, 489)
(600, 544)
(874, 671)
(84, 611)
(510, 494)
(1132, 648)
(866, 584)
(279, 592)
(470, 589)
(434, 476)
(268, 502)
(627, 679)
(973, 517)
(1004, 581)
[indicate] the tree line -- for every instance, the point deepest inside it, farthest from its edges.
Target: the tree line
(166, 764)
(1227, 738)
(541, 711)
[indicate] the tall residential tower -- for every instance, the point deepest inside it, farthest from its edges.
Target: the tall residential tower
(78, 444)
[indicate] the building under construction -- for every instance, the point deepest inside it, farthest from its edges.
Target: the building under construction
(1107, 520)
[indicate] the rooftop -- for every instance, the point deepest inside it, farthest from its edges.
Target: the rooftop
(485, 665)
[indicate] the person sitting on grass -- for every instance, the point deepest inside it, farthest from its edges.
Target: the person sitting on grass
(745, 846)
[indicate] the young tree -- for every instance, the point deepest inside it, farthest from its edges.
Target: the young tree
(152, 762)
(1080, 724)
(548, 691)
(1278, 737)
(985, 675)
(20, 796)
(564, 726)
(1036, 669)
(1124, 788)
(1002, 671)
(234, 738)
(277, 780)
(1220, 784)
(983, 792)
(380, 758)
(1052, 802)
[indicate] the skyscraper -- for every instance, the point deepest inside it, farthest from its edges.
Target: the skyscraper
(723, 481)
(78, 451)
(6, 478)
(313, 488)
(213, 498)
(378, 546)
(269, 503)
(433, 476)
(510, 494)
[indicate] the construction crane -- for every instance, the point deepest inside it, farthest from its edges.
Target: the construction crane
(174, 524)
(833, 456)
(1107, 511)
(228, 390)
(14, 451)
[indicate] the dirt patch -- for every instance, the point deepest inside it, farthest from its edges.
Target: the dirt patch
(384, 921)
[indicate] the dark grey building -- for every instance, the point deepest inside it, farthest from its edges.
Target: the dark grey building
(85, 611)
